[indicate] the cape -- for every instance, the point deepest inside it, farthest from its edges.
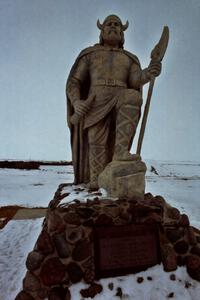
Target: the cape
(78, 136)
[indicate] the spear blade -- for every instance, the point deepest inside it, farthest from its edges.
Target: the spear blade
(159, 50)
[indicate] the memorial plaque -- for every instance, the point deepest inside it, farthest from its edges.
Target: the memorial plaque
(121, 250)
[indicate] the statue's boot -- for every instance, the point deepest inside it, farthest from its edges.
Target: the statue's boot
(97, 163)
(126, 124)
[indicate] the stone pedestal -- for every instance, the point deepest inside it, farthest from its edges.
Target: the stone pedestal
(95, 238)
(124, 179)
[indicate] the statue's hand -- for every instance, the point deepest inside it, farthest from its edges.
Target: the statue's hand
(80, 107)
(154, 69)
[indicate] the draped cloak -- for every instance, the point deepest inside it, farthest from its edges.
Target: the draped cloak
(78, 135)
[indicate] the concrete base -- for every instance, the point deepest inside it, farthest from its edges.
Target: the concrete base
(124, 179)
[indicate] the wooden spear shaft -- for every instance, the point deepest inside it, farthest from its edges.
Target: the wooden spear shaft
(145, 115)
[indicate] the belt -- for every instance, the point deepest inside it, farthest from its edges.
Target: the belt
(109, 82)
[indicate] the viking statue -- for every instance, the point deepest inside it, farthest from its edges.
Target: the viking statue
(104, 98)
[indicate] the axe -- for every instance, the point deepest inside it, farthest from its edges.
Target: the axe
(157, 55)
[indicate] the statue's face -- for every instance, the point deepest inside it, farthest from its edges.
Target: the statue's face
(112, 31)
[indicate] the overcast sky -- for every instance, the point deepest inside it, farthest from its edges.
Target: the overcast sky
(40, 40)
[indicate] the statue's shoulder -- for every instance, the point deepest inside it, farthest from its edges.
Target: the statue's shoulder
(89, 50)
(132, 56)
(98, 47)
(81, 54)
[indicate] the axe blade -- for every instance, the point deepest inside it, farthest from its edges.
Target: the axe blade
(159, 50)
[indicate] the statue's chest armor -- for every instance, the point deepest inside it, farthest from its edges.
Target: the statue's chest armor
(109, 64)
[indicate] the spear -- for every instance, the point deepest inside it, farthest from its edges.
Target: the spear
(157, 55)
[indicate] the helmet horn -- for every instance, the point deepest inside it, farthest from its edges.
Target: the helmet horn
(99, 25)
(125, 26)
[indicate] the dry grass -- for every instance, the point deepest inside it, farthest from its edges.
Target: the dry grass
(7, 213)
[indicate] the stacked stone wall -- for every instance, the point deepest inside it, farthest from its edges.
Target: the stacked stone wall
(64, 252)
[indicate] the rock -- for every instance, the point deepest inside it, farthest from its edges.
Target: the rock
(82, 250)
(85, 212)
(195, 250)
(75, 272)
(181, 260)
(89, 275)
(170, 295)
(187, 285)
(173, 213)
(79, 189)
(34, 260)
(74, 234)
(42, 293)
(119, 293)
(149, 278)
(72, 218)
(94, 201)
(181, 247)
(172, 277)
(52, 272)
(193, 262)
(193, 266)
(68, 295)
(140, 279)
(92, 291)
(169, 258)
(111, 286)
(31, 283)
(111, 210)
(89, 222)
(24, 296)
(184, 221)
(104, 220)
(158, 201)
(174, 234)
(148, 197)
(139, 212)
(61, 245)
(196, 230)
(44, 243)
(59, 293)
(191, 236)
(153, 218)
(55, 223)
(125, 216)
(88, 263)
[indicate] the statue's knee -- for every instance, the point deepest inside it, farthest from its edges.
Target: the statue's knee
(130, 97)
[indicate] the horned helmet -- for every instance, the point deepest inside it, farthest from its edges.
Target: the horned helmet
(123, 28)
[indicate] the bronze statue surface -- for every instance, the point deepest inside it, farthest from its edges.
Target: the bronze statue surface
(104, 92)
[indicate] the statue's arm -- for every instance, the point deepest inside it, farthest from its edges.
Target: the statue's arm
(139, 77)
(77, 77)
(73, 90)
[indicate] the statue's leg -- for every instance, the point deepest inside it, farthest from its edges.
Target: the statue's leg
(98, 158)
(128, 114)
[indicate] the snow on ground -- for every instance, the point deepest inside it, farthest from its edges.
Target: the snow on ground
(32, 187)
(17, 239)
(156, 285)
(178, 183)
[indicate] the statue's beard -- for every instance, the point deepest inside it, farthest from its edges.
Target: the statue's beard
(111, 37)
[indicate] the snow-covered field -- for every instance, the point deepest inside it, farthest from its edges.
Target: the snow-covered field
(178, 183)
(34, 188)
